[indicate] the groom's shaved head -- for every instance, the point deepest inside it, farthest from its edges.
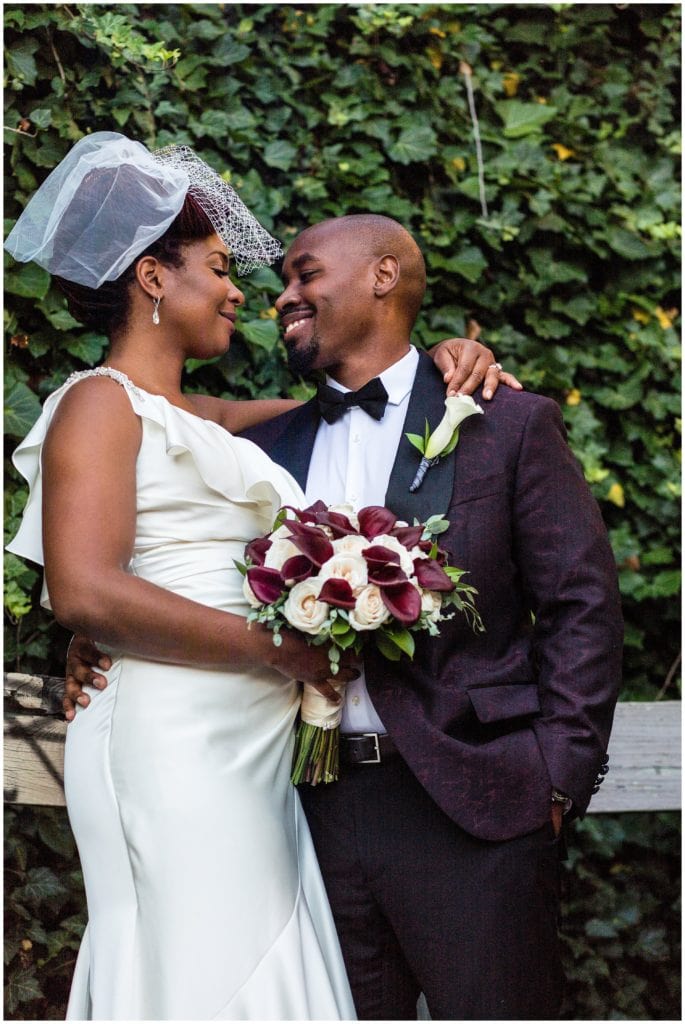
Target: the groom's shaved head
(373, 235)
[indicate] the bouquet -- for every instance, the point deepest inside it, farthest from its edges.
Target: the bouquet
(347, 579)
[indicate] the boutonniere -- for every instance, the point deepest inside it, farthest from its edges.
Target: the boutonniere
(444, 438)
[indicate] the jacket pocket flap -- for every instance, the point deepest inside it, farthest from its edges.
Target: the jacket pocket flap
(504, 700)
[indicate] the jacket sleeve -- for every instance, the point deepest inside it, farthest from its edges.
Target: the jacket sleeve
(569, 575)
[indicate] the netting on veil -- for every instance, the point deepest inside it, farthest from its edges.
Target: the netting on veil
(249, 243)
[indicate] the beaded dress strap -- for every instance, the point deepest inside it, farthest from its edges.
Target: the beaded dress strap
(108, 371)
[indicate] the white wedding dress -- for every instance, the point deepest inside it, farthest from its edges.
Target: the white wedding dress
(205, 900)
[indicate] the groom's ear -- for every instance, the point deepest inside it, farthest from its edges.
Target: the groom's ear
(386, 275)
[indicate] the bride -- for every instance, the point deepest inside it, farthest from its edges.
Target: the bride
(204, 896)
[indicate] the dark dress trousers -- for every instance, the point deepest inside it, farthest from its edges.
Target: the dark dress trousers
(441, 864)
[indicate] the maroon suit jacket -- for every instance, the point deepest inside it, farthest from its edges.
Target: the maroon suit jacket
(490, 722)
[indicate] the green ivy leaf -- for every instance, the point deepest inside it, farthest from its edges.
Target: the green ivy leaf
(22, 986)
(279, 154)
(87, 347)
(22, 409)
(20, 62)
(263, 333)
(414, 145)
(28, 280)
(522, 119)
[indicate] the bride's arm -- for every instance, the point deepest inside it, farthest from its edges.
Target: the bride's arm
(89, 522)
(464, 362)
(236, 415)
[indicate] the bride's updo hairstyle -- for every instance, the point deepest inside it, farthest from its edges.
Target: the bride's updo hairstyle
(111, 201)
(107, 308)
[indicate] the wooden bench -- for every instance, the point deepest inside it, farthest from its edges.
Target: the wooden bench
(644, 752)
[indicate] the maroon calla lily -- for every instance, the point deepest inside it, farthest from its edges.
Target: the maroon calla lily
(377, 555)
(386, 575)
(267, 584)
(338, 593)
(338, 523)
(311, 541)
(408, 535)
(432, 576)
(403, 601)
(297, 568)
(256, 550)
(311, 513)
(375, 520)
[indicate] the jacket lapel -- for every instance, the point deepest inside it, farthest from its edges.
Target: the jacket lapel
(427, 402)
(293, 449)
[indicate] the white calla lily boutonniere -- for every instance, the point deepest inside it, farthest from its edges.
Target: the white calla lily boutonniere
(444, 438)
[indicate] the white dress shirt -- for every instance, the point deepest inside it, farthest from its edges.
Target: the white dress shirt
(351, 464)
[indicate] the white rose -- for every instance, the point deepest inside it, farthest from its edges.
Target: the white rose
(347, 510)
(278, 554)
(303, 610)
(417, 553)
(346, 567)
(352, 544)
(248, 593)
(283, 532)
(431, 602)
(393, 544)
(369, 611)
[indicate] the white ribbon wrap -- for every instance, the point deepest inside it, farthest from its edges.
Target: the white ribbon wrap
(319, 710)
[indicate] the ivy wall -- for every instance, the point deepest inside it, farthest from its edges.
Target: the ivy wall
(563, 246)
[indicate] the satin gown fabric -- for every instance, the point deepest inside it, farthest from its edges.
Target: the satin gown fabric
(205, 900)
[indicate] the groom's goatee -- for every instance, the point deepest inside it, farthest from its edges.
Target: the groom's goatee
(301, 360)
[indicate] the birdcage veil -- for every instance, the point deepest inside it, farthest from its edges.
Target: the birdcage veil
(110, 198)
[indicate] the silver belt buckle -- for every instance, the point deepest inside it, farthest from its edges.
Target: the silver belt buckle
(377, 758)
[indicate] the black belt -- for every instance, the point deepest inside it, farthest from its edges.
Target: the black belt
(366, 748)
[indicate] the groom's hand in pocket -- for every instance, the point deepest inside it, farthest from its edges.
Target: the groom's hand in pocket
(83, 661)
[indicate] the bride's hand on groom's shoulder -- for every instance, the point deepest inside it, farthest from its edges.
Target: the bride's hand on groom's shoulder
(83, 661)
(465, 363)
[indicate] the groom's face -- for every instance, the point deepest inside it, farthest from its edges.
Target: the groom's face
(327, 303)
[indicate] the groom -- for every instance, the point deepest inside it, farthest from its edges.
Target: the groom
(439, 845)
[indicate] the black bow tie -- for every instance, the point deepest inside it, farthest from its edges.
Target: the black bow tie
(333, 404)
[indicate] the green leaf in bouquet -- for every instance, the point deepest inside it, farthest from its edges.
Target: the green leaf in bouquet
(398, 639)
(403, 639)
(340, 626)
(347, 640)
(435, 525)
(388, 649)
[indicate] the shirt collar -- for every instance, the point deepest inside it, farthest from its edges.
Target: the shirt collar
(398, 379)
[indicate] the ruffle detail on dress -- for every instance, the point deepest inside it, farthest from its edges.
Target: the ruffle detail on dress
(244, 474)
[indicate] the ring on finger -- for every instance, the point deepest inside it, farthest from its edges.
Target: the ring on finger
(495, 366)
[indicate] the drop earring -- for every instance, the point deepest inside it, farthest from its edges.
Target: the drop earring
(155, 312)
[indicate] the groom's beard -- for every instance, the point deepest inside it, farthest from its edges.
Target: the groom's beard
(301, 360)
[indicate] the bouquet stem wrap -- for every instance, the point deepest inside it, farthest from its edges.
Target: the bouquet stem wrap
(317, 744)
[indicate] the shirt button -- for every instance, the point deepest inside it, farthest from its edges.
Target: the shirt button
(356, 438)
(355, 700)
